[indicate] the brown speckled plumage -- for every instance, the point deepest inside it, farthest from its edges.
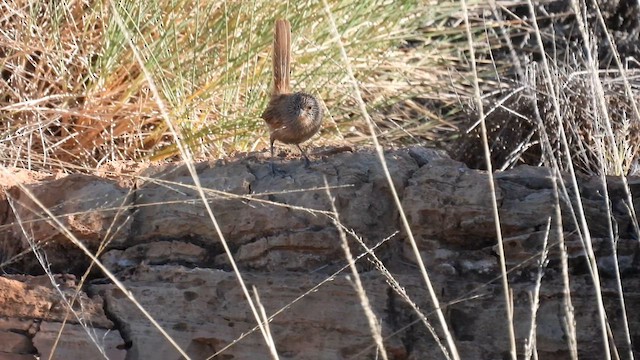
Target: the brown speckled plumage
(292, 117)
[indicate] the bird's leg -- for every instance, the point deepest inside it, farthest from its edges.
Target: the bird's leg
(273, 167)
(307, 162)
(274, 170)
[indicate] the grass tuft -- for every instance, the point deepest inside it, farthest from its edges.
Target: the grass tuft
(73, 94)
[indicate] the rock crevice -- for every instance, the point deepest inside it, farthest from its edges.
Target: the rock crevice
(153, 232)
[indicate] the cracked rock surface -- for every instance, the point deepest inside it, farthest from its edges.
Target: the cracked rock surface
(150, 227)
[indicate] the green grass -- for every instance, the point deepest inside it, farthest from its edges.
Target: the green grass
(78, 97)
(74, 96)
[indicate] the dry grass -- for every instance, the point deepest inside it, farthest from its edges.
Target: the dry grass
(73, 94)
(79, 89)
(599, 117)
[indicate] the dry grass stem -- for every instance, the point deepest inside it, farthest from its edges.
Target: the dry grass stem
(556, 177)
(186, 155)
(530, 348)
(492, 187)
(300, 297)
(76, 100)
(374, 324)
(69, 304)
(55, 222)
(264, 326)
(396, 198)
(87, 83)
(398, 289)
(580, 211)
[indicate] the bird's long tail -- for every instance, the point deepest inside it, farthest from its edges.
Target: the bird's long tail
(282, 57)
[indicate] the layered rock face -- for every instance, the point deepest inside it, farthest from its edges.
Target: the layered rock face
(150, 228)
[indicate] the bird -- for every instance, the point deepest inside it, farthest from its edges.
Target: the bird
(292, 117)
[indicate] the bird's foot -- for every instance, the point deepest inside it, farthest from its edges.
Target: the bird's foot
(275, 171)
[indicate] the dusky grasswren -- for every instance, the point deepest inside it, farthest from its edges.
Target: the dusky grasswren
(292, 118)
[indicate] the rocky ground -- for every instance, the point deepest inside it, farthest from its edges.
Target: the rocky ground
(148, 226)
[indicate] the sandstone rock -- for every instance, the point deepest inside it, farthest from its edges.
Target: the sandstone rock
(204, 311)
(30, 299)
(13, 356)
(165, 249)
(32, 313)
(93, 209)
(165, 193)
(291, 251)
(15, 324)
(156, 253)
(11, 342)
(75, 342)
